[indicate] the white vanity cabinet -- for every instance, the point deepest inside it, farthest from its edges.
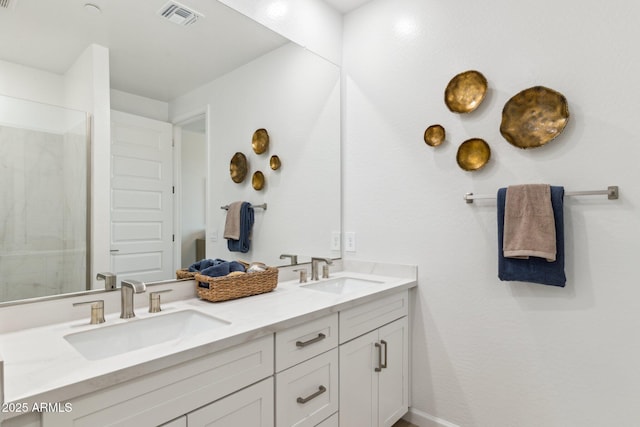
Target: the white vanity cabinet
(374, 366)
(158, 398)
(307, 381)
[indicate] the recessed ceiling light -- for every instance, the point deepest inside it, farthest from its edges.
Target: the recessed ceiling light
(92, 8)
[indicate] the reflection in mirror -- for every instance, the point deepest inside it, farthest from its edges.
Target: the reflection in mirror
(244, 75)
(43, 170)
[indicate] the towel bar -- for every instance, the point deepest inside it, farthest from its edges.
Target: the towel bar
(262, 206)
(611, 192)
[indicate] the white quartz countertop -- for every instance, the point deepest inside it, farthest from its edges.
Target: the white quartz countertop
(41, 366)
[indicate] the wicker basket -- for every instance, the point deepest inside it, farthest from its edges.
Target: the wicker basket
(243, 285)
(185, 274)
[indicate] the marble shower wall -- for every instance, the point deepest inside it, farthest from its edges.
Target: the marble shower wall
(43, 212)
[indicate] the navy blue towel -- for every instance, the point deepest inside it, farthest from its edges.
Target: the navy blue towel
(243, 244)
(534, 269)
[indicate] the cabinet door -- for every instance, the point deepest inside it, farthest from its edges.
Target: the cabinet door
(393, 381)
(370, 397)
(251, 407)
(359, 382)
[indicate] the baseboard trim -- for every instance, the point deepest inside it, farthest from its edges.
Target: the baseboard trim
(422, 419)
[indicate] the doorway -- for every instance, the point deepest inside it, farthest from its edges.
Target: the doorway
(190, 135)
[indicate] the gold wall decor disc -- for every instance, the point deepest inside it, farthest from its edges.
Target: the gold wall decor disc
(473, 154)
(465, 92)
(434, 135)
(260, 141)
(257, 181)
(238, 167)
(274, 162)
(534, 117)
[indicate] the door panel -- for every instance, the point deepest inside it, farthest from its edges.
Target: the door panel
(141, 198)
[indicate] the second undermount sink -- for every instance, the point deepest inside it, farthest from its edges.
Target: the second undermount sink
(341, 285)
(107, 341)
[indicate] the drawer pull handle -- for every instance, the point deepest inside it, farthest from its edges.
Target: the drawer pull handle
(379, 367)
(320, 337)
(321, 390)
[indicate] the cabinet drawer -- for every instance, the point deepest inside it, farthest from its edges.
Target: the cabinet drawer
(305, 341)
(307, 393)
(332, 421)
(369, 316)
(164, 395)
(250, 407)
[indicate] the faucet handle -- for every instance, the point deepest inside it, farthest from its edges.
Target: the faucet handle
(97, 310)
(294, 258)
(303, 274)
(154, 300)
(110, 280)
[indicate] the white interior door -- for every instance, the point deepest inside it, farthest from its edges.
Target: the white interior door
(141, 198)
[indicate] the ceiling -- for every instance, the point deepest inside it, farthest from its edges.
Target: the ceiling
(149, 56)
(346, 6)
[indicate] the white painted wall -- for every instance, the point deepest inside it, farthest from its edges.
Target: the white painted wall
(87, 89)
(295, 95)
(19, 81)
(139, 105)
(485, 352)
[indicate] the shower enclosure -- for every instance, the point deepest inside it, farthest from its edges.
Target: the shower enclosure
(44, 175)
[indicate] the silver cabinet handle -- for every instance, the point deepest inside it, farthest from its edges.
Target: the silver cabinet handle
(320, 337)
(321, 390)
(384, 365)
(379, 367)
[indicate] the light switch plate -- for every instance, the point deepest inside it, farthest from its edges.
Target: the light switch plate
(335, 241)
(350, 241)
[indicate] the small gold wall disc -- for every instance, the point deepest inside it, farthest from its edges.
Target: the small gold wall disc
(434, 135)
(274, 162)
(260, 141)
(238, 167)
(473, 154)
(257, 181)
(465, 91)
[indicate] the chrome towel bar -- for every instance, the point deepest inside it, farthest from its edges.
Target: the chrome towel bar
(611, 192)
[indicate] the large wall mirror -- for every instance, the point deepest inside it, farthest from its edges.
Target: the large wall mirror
(221, 78)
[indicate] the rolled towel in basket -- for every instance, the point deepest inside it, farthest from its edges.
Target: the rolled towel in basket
(222, 269)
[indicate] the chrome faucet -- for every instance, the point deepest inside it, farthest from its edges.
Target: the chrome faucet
(127, 289)
(294, 258)
(110, 280)
(314, 267)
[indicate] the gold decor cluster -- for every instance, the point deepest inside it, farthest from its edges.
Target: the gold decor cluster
(530, 119)
(239, 167)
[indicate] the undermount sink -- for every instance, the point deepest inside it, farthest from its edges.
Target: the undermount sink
(135, 334)
(341, 285)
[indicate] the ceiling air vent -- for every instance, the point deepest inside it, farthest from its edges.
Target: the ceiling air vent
(177, 13)
(8, 4)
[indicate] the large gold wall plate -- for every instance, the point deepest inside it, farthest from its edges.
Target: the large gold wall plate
(434, 135)
(238, 167)
(473, 154)
(260, 141)
(257, 181)
(534, 117)
(465, 91)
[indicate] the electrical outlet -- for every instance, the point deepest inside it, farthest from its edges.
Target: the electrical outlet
(350, 241)
(335, 241)
(213, 235)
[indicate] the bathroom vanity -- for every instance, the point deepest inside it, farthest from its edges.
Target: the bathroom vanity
(323, 353)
